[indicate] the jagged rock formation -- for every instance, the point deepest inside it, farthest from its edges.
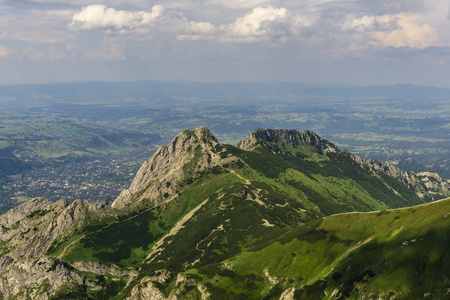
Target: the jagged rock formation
(272, 139)
(27, 232)
(293, 137)
(429, 182)
(166, 167)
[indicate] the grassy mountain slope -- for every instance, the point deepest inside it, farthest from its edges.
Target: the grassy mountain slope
(283, 189)
(207, 220)
(401, 253)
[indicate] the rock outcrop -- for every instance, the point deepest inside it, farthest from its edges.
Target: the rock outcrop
(189, 150)
(293, 137)
(28, 232)
(424, 181)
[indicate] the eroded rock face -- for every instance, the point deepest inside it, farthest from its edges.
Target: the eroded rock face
(96, 268)
(19, 213)
(37, 223)
(147, 290)
(424, 181)
(29, 230)
(35, 278)
(294, 137)
(168, 166)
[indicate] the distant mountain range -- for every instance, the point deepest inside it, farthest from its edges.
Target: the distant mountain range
(284, 214)
(185, 89)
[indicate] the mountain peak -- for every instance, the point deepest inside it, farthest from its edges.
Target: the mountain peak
(262, 138)
(201, 133)
(190, 151)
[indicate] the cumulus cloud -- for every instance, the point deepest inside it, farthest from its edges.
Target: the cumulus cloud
(198, 31)
(100, 17)
(300, 22)
(410, 32)
(397, 30)
(369, 23)
(254, 26)
(330, 28)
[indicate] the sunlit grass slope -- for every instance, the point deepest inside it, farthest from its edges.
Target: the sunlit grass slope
(401, 253)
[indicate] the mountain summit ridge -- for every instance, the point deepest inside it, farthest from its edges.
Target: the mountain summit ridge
(197, 209)
(294, 137)
(198, 150)
(167, 165)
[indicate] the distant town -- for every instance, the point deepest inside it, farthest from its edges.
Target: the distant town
(93, 179)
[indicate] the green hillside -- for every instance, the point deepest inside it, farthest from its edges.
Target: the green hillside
(283, 215)
(401, 253)
(284, 189)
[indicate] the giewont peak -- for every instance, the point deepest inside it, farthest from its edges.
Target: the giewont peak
(285, 136)
(189, 151)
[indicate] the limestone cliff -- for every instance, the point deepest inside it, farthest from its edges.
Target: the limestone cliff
(429, 182)
(26, 233)
(159, 176)
(295, 138)
(424, 182)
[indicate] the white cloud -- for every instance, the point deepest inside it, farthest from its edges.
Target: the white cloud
(365, 23)
(410, 32)
(390, 30)
(370, 23)
(198, 31)
(202, 27)
(301, 22)
(100, 17)
(254, 26)
(329, 28)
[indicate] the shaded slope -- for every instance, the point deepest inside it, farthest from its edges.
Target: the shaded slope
(401, 253)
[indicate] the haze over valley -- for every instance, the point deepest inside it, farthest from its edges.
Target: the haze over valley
(87, 140)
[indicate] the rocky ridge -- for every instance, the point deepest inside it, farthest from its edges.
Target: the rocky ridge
(167, 167)
(293, 137)
(28, 231)
(424, 181)
(429, 182)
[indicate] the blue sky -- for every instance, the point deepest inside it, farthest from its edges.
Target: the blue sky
(365, 42)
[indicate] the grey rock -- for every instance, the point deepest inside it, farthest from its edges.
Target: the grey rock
(166, 168)
(423, 181)
(294, 137)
